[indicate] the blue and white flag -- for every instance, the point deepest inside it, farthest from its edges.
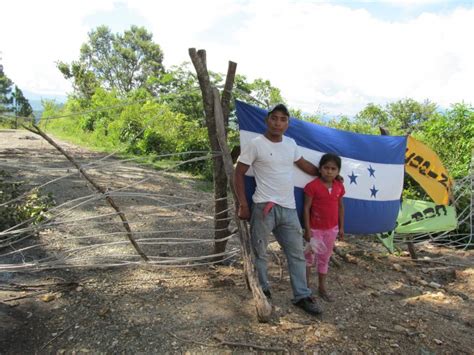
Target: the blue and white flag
(372, 168)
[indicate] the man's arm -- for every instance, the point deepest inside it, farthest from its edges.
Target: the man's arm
(311, 169)
(243, 210)
(307, 167)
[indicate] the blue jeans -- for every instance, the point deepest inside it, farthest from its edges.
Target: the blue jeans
(286, 228)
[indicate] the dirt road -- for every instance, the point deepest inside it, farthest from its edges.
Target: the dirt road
(384, 303)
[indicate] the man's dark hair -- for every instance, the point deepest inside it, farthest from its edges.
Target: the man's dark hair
(281, 108)
(330, 157)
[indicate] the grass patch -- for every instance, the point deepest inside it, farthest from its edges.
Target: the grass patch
(93, 143)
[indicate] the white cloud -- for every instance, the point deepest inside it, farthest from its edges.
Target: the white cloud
(321, 55)
(411, 3)
(358, 57)
(36, 34)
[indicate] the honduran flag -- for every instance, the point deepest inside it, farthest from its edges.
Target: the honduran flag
(372, 168)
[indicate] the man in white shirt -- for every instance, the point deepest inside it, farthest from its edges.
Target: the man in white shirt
(272, 156)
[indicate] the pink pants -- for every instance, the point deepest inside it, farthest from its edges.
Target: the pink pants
(319, 249)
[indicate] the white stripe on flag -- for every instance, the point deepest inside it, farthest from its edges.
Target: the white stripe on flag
(383, 185)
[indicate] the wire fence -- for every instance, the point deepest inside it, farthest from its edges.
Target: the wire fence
(172, 220)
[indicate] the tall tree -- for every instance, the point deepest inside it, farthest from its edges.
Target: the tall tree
(21, 105)
(115, 61)
(5, 91)
(451, 135)
(410, 114)
(179, 88)
(84, 81)
(373, 115)
(259, 92)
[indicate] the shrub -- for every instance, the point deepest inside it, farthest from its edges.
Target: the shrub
(33, 206)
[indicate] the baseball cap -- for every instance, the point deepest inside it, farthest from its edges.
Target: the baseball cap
(281, 108)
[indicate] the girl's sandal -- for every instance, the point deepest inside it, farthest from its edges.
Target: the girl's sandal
(326, 297)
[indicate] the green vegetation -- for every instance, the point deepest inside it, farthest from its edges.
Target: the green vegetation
(31, 207)
(125, 99)
(14, 107)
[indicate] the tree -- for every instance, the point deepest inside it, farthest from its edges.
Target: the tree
(84, 80)
(346, 124)
(451, 135)
(179, 88)
(400, 117)
(409, 114)
(115, 61)
(263, 91)
(5, 92)
(259, 92)
(14, 101)
(373, 115)
(21, 105)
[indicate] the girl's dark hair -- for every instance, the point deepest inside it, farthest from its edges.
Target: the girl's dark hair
(330, 157)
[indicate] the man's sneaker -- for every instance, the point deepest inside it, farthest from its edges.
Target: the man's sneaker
(268, 294)
(310, 306)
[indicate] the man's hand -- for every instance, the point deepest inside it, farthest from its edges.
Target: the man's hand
(307, 235)
(244, 212)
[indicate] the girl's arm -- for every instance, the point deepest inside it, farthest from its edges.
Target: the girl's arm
(341, 219)
(306, 213)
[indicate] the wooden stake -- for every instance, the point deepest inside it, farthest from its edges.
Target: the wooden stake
(264, 309)
(101, 189)
(221, 222)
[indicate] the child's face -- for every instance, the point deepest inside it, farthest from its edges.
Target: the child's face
(329, 171)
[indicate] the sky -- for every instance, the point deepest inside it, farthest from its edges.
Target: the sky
(329, 57)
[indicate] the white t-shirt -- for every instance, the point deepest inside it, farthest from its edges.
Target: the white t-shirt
(272, 165)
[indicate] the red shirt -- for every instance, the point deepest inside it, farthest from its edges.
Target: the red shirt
(324, 212)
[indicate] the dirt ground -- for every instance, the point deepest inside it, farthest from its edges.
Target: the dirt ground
(383, 303)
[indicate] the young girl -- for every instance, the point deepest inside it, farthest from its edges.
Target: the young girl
(323, 219)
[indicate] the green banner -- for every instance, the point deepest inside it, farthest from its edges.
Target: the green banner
(420, 217)
(425, 217)
(387, 240)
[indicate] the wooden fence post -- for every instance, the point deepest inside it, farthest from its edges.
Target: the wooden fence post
(221, 222)
(264, 309)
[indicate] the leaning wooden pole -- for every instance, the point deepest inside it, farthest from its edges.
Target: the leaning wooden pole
(264, 309)
(221, 221)
(101, 189)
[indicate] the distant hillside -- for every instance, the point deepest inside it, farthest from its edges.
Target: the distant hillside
(35, 101)
(36, 105)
